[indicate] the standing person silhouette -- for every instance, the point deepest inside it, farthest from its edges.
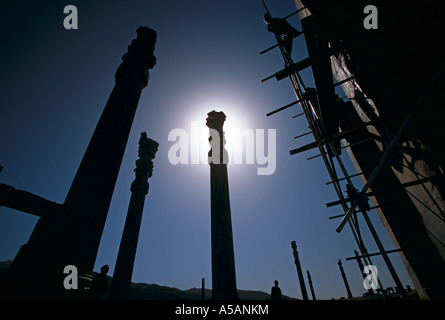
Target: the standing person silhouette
(99, 286)
(276, 292)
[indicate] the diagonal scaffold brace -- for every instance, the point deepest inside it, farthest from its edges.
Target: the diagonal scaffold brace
(391, 147)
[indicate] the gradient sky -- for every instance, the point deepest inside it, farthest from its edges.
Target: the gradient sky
(54, 84)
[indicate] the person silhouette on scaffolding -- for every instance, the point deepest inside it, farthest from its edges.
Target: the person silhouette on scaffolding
(282, 28)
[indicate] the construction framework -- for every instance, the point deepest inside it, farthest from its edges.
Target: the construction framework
(319, 106)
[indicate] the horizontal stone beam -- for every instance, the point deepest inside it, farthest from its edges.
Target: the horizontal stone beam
(26, 202)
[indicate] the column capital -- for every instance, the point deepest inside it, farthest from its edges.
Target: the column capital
(215, 119)
(139, 58)
(217, 154)
(146, 152)
(144, 165)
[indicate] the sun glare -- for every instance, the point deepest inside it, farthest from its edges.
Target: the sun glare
(233, 125)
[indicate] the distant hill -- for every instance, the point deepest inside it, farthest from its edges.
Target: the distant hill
(144, 291)
(243, 294)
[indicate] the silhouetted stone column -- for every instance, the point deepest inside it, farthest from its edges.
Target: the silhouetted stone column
(344, 279)
(299, 272)
(362, 268)
(203, 289)
(120, 285)
(309, 279)
(72, 235)
(92, 189)
(223, 258)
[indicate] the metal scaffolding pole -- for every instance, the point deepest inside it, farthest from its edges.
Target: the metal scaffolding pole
(322, 138)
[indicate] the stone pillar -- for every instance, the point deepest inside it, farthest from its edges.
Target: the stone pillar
(223, 258)
(120, 285)
(90, 194)
(309, 279)
(362, 268)
(203, 289)
(299, 272)
(72, 235)
(344, 279)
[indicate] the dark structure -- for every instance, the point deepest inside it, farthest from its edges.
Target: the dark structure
(203, 289)
(71, 234)
(26, 202)
(99, 285)
(299, 271)
(223, 257)
(120, 286)
(377, 69)
(388, 120)
(345, 280)
(309, 279)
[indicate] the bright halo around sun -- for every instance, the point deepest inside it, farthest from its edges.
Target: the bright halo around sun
(233, 125)
(244, 144)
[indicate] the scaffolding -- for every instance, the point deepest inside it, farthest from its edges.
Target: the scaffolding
(318, 107)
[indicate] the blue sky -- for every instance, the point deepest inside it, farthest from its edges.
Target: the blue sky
(54, 84)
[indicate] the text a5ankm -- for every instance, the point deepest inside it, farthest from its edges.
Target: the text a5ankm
(243, 309)
(225, 309)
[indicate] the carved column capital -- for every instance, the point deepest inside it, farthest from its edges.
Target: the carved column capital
(217, 154)
(139, 58)
(144, 165)
(215, 120)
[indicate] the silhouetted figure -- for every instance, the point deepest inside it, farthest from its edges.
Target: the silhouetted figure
(276, 292)
(282, 28)
(99, 286)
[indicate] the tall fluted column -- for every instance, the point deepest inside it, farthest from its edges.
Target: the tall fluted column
(309, 280)
(223, 258)
(362, 268)
(120, 285)
(299, 271)
(345, 280)
(90, 195)
(72, 235)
